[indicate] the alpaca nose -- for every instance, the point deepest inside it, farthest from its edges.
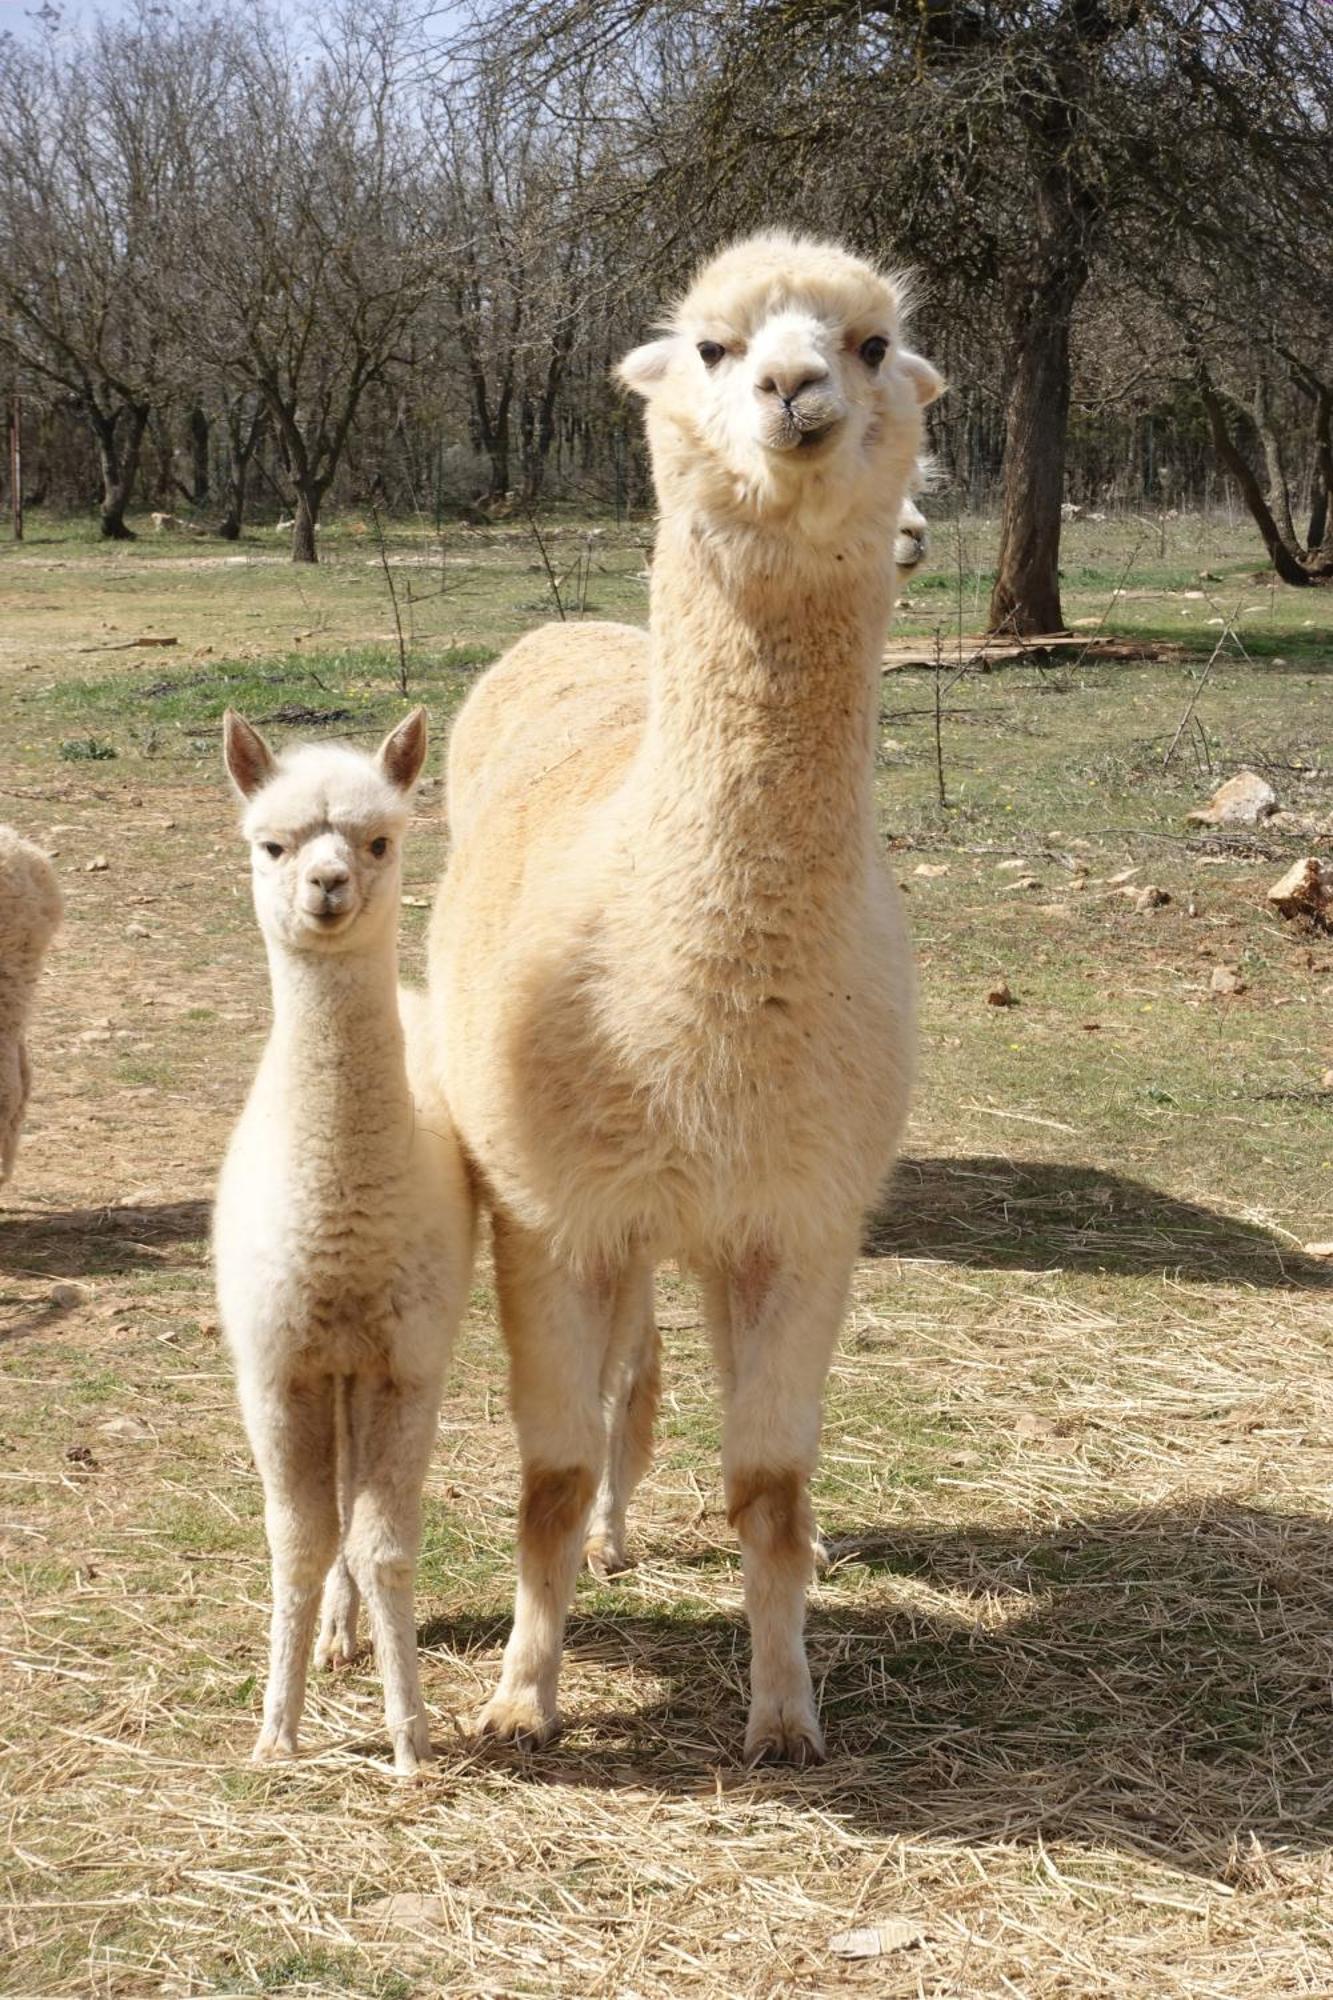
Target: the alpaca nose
(329, 877)
(788, 380)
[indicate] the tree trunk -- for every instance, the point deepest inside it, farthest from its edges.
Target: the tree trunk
(1320, 538)
(1026, 595)
(491, 431)
(308, 497)
(198, 426)
(497, 449)
(243, 441)
(1232, 460)
(1069, 216)
(164, 486)
(539, 446)
(118, 467)
(1279, 491)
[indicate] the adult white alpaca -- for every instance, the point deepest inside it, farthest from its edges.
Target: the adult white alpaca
(672, 983)
(343, 1229)
(29, 913)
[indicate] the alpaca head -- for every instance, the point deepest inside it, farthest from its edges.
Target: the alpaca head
(325, 825)
(781, 393)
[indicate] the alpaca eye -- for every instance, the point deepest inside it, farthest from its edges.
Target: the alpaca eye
(273, 848)
(711, 352)
(379, 847)
(874, 350)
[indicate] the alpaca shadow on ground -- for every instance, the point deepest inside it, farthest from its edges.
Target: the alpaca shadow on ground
(101, 1242)
(990, 1211)
(1161, 1681)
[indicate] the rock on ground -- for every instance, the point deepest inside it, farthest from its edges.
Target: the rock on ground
(1306, 890)
(1242, 801)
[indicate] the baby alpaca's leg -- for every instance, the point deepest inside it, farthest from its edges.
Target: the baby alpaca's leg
(392, 1426)
(291, 1432)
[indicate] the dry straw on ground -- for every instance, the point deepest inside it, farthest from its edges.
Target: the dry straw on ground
(1075, 1647)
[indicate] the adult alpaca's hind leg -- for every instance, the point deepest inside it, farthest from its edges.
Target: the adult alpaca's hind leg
(557, 1327)
(631, 1381)
(391, 1427)
(339, 1617)
(774, 1326)
(291, 1432)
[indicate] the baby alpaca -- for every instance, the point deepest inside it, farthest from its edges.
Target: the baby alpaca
(29, 913)
(343, 1230)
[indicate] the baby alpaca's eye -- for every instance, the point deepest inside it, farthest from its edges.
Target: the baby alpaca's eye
(874, 350)
(379, 847)
(273, 848)
(711, 352)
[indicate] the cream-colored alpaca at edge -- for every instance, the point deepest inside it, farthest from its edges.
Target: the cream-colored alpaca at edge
(671, 982)
(343, 1229)
(30, 907)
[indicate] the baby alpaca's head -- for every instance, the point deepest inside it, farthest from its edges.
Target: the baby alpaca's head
(325, 825)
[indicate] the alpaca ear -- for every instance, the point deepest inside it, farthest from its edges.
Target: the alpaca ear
(248, 758)
(403, 751)
(927, 382)
(643, 368)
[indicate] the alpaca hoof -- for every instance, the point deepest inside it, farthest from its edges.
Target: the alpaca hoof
(786, 1734)
(822, 1554)
(335, 1649)
(412, 1754)
(519, 1719)
(606, 1557)
(273, 1748)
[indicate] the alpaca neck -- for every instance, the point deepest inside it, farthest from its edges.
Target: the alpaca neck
(337, 1039)
(758, 755)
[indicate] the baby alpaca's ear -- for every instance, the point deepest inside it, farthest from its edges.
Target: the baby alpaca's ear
(403, 751)
(248, 758)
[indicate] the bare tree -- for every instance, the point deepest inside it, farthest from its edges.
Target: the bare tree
(84, 172)
(1008, 147)
(519, 198)
(299, 247)
(350, 260)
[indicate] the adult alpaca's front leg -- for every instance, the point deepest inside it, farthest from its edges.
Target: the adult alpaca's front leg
(557, 1327)
(774, 1327)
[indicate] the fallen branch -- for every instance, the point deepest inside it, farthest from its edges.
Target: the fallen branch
(1023, 1117)
(127, 645)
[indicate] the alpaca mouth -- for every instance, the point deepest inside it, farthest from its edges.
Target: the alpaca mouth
(798, 437)
(325, 922)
